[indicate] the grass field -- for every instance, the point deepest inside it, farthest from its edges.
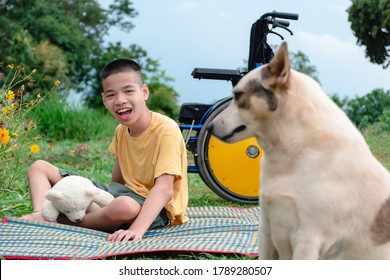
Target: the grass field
(93, 160)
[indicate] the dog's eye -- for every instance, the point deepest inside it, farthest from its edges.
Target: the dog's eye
(237, 95)
(67, 211)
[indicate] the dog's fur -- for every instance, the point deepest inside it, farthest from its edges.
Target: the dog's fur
(323, 194)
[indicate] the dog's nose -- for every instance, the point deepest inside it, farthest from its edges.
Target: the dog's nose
(210, 127)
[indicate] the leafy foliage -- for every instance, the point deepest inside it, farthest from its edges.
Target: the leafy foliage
(370, 22)
(18, 135)
(67, 40)
(369, 109)
(384, 120)
(301, 63)
(51, 24)
(160, 100)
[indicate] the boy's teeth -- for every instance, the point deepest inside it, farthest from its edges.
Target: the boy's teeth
(122, 111)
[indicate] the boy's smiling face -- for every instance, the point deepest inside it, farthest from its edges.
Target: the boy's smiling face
(125, 97)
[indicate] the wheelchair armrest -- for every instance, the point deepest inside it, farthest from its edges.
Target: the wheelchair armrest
(217, 74)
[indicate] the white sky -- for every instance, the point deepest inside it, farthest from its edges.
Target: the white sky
(184, 34)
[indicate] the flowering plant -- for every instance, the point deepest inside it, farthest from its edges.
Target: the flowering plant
(17, 136)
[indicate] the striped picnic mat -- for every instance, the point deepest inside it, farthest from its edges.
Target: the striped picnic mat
(210, 229)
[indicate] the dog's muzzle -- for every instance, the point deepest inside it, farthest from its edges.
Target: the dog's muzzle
(238, 129)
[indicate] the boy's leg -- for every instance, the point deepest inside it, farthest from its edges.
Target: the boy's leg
(122, 210)
(41, 177)
(120, 213)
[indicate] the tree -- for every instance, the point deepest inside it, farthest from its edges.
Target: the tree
(66, 40)
(342, 102)
(370, 22)
(368, 109)
(162, 99)
(301, 63)
(72, 31)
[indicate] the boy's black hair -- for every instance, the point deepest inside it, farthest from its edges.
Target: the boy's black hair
(120, 65)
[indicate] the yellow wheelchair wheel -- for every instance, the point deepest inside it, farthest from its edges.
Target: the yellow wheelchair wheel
(231, 170)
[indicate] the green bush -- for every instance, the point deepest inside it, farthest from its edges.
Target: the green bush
(367, 109)
(373, 108)
(57, 120)
(384, 121)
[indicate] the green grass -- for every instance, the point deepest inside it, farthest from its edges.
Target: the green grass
(96, 163)
(379, 144)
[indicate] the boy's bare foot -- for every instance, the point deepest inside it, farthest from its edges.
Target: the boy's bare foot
(36, 216)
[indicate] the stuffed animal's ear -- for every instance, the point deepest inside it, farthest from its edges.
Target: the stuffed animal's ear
(52, 195)
(91, 193)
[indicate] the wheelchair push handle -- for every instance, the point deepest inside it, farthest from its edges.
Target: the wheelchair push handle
(276, 14)
(280, 22)
(274, 19)
(260, 52)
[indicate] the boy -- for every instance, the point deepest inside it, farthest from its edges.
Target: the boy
(149, 177)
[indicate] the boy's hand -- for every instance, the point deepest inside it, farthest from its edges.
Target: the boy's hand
(124, 235)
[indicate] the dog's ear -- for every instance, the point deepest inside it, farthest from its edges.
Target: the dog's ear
(277, 72)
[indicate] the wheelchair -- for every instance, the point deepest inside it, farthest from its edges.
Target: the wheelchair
(232, 171)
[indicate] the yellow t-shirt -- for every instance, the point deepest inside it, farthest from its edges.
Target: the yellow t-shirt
(160, 149)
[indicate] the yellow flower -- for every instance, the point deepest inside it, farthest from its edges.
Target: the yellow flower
(4, 135)
(34, 148)
(10, 95)
(11, 66)
(4, 110)
(57, 83)
(8, 109)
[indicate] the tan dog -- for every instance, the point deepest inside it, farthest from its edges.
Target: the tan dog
(323, 194)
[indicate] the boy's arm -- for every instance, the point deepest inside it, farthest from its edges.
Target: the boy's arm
(117, 173)
(158, 197)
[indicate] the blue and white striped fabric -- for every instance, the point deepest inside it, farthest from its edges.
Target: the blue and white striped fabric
(210, 229)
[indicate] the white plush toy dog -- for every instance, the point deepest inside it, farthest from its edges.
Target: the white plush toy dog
(74, 196)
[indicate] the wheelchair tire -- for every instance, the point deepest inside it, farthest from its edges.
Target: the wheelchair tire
(232, 171)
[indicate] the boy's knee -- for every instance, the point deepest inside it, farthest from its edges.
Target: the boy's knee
(44, 169)
(39, 164)
(123, 209)
(36, 166)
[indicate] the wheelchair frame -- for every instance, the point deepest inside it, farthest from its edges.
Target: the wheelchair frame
(194, 116)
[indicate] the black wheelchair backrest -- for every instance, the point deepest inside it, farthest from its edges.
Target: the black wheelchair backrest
(259, 50)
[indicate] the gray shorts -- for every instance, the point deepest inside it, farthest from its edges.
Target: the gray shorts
(116, 190)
